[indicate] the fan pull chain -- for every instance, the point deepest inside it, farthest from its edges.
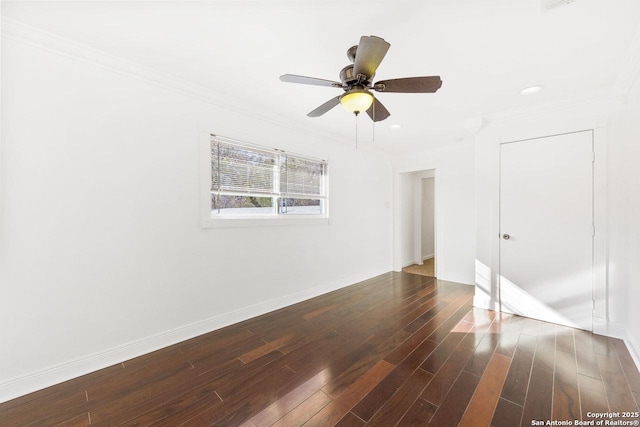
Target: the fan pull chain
(356, 114)
(374, 121)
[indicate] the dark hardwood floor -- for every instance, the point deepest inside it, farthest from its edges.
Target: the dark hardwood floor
(399, 349)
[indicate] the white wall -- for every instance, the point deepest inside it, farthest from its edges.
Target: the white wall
(428, 218)
(101, 253)
(455, 222)
(624, 219)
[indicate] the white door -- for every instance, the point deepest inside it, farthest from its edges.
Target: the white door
(546, 228)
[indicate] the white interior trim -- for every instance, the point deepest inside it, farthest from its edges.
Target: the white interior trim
(600, 239)
(206, 221)
(24, 384)
(634, 350)
(598, 295)
(428, 172)
(50, 42)
(600, 283)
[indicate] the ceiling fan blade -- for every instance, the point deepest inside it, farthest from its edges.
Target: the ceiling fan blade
(371, 50)
(292, 78)
(409, 85)
(377, 111)
(325, 107)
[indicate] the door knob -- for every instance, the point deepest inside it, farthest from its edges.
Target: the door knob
(506, 236)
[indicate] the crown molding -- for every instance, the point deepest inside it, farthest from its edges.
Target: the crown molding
(44, 40)
(50, 42)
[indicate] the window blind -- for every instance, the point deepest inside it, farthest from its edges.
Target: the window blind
(301, 177)
(247, 180)
(242, 170)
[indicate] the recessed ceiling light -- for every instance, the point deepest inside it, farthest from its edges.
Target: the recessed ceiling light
(530, 90)
(395, 126)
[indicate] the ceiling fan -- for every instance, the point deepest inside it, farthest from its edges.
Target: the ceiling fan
(356, 81)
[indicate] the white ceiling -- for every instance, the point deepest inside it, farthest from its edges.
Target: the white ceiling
(486, 51)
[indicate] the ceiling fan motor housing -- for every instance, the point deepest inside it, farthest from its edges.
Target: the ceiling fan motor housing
(346, 74)
(348, 77)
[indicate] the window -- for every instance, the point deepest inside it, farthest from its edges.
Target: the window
(252, 182)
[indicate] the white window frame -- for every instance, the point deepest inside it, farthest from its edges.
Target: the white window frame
(207, 220)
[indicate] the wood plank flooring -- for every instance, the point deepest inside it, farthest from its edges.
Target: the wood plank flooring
(399, 349)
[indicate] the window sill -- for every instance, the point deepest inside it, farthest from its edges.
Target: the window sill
(272, 221)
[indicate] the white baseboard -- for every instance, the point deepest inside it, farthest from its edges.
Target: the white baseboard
(424, 258)
(634, 350)
(33, 381)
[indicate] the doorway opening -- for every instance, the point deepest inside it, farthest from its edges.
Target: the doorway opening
(417, 247)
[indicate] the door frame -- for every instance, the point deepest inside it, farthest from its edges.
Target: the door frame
(600, 313)
(399, 241)
(500, 218)
(419, 216)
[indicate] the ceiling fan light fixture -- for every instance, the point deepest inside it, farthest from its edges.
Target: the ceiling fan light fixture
(356, 100)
